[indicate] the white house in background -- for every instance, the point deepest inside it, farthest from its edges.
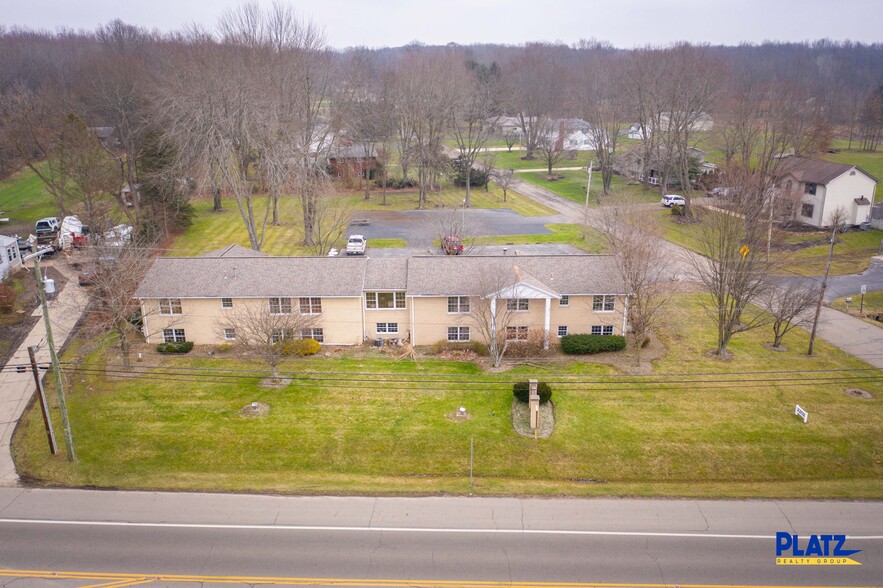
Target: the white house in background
(635, 131)
(573, 134)
(11, 259)
(823, 186)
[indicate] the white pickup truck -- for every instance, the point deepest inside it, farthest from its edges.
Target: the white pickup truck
(355, 245)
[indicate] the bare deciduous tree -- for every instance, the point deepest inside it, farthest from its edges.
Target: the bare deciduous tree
(643, 265)
(505, 179)
(114, 274)
(333, 216)
(788, 305)
(260, 330)
(734, 272)
(493, 312)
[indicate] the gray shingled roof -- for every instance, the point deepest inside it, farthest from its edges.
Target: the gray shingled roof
(216, 277)
(234, 251)
(816, 171)
(263, 276)
(468, 274)
(386, 274)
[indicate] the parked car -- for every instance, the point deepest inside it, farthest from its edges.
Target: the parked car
(452, 245)
(669, 199)
(356, 245)
(46, 226)
(722, 192)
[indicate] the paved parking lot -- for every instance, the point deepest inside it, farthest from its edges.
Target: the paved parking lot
(537, 249)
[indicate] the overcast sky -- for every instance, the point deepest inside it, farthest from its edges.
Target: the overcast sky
(377, 23)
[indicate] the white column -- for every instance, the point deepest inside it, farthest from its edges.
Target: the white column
(546, 323)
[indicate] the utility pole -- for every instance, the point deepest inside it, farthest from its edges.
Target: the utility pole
(44, 408)
(588, 187)
(815, 321)
(56, 368)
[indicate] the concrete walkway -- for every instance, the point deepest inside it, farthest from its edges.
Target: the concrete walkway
(16, 388)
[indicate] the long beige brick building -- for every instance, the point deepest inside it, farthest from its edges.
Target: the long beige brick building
(424, 299)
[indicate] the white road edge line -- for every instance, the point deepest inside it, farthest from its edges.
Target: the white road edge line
(400, 529)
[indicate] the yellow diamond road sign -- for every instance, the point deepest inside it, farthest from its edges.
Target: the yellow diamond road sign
(744, 250)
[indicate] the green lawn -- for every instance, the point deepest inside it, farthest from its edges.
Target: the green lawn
(573, 187)
(870, 162)
(852, 253)
(513, 160)
(700, 427)
(24, 199)
(594, 241)
(872, 307)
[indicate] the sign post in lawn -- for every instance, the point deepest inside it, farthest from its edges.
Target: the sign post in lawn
(862, 306)
(801, 413)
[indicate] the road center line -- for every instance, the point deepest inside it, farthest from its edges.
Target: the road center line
(401, 529)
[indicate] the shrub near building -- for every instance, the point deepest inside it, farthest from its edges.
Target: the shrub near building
(588, 344)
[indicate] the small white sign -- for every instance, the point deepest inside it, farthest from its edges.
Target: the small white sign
(801, 413)
(864, 289)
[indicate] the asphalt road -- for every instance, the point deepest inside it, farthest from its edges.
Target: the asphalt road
(116, 538)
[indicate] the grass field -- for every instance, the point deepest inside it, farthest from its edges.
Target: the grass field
(561, 233)
(870, 162)
(852, 253)
(700, 427)
(211, 230)
(24, 199)
(573, 187)
(513, 160)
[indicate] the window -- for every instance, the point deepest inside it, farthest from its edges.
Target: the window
(311, 306)
(807, 210)
(229, 334)
(12, 253)
(602, 330)
(170, 306)
(603, 302)
(458, 334)
(280, 305)
(316, 334)
(516, 333)
(384, 300)
(564, 301)
(173, 336)
(277, 335)
(387, 328)
(809, 188)
(562, 331)
(517, 304)
(226, 303)
(458, 304)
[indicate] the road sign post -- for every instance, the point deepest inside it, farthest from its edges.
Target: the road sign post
(864, 291)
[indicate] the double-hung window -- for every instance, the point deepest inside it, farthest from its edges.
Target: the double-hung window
(169, 306)
(603, 302)
(564, 300)
(229, 334)
(310, 306)
(516, 333)
(173, 336)
(316, 334)
(384, 300)
(387, 328)
(602, 330)
(518, 304)
(226, 303)
(562, 330)
(458, 304)
(458, 334)
(280, 305)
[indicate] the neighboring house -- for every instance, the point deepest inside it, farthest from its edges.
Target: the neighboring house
(128, 197)
(631, 165)
(700, 122)
(105, 136)
(635, 131)
(572, 134)
(351, 159)
(821, 187)
(420, 299)
(506, 125)
(11, 257)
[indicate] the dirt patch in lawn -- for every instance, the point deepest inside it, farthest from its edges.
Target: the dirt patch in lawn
(858, 393)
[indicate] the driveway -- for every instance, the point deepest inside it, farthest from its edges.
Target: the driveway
(420, 227)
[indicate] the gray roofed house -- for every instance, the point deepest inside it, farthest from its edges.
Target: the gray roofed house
(819, 188)
(426, 298)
